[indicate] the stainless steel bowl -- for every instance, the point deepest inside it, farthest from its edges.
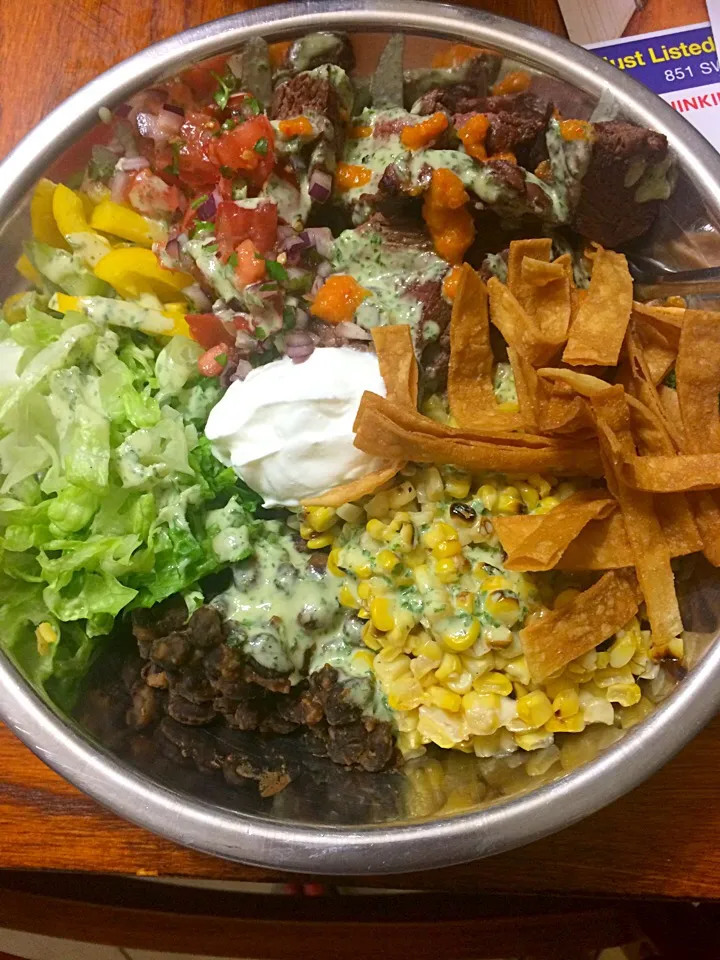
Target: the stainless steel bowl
(331, 829)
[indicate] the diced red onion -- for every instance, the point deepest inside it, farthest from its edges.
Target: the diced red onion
(294, 247)
(242, 370)
(352, 331)
(119, 186)
(173, 109)
(159, 127)
(285, 231)
(319, 237)
(320, 185)
(133, 163)
(299, 354)
(256, 289)
(317, 283)
(299, 345)
(197, 296)
(207, 209)
(324, 270)
(172, 248)
(302, 319)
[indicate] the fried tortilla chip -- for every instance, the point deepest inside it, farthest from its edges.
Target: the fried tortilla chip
(598, 330)
(520, 284)
(560, 410)
(470, 372)
(591, 618)
(398, 366)
(395, 434)
(658, 330)
(698, 381)
(582, 383)
(699, 471)
(707, 516)
(526, 384)
(356, 489)
(399, 370)
(542, 549)
(519, 329)
(650, 549)
(636, 377)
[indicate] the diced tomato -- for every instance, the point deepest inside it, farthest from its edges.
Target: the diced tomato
(242, 322)
(153, 197)
(200, 78)
(208, 330)
(233, 224)
(225, 188)
(250, 148)
(250, 267)
(196, 157)
(212, 362)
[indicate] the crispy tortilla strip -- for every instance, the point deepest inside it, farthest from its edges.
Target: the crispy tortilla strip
(598, 331)
(526, 384)
(669, 402)
(636, 377)
(519, 329)
(549, 303)
(536, 248)
(392, 433)
(602, 544)
(707, 516)
(591, 618)
(582, 383)
(398, 366)
(658, 329)
(544, 547)
(560, 409)
(650, 549)
(698, 381)
(356, 488)
(698, 471)
(470, 371)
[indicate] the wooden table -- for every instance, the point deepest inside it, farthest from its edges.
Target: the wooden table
(663, 840)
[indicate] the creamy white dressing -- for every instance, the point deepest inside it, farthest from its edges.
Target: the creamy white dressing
(219, 275)
(88, 245)
(125, 313)
(569, 161)
(293, 205)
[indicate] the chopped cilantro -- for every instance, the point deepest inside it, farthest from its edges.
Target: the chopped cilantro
(199, 201)
(201, 226)
(276, 270)
(288, 318)
(260, 333)
(227, 172)
(261, 146)
(670, 380)
(253, 104)
(229, 124)
(221, 359)
(226, 86)
(211, 248)
(233, 260)
(174, 167)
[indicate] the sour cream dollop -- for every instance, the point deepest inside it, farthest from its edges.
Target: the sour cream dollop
(287, 429)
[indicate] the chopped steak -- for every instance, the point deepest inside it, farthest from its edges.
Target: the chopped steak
(608, 211)
(303, 94)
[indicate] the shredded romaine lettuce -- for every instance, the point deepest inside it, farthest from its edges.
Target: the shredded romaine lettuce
(110, 497)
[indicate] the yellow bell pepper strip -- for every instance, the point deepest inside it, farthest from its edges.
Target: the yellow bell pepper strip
(113, 218)
(168, 322)
(71, 218)
(135, 270)
(44, 227)
(25, 268)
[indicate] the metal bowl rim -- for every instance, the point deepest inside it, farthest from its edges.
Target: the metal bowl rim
(387, 848)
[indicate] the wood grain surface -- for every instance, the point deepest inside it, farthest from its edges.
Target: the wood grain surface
(661, 840)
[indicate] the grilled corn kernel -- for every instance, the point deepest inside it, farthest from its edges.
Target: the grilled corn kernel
(430, 649)
(566, 703)
(445, 699)
(488, 494)
(347, 598)
(317, 543)
(518, 670)
(554, 686)
(493, 682)
(321, 518)
(406, 537)
(449, 664)
(405, 693)
(509, 501)
(306, 531)
(415, 559)
(363, 613)
(460, 640)
(530, 496)
(565, 490)
(574, 724)
(547, 504)
(381, 614)
(363, 658)
(447, 548)
(542, 486)
(622, 651)
(364, 590)
(446, 570)
(350, 513)
(332, 563)
(439, 532)
(465, 601)
(677, 647)
(410, 745)
(430, 485)
(461, 683)
(520, 689)
(496, 583)
(375, 528)
(387, 560)
(457, 485)
(369, 634)
(45, 637)
(626, 694)
(378, 506)
(534, 709)
(565, 598)
(502, 608)
(401, 495)
(362, 571)
(533, 739)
